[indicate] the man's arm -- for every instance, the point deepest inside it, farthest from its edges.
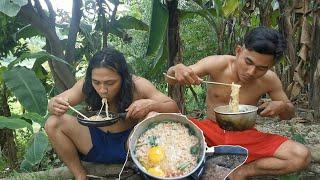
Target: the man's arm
(280, 104)
(58, 105)
(150, 99)
(190, 75)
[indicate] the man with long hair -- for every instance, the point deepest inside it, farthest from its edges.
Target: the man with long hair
(107, 77)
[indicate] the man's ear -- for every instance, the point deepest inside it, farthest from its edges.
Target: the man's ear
(238, 50)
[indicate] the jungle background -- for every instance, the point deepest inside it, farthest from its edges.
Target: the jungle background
(44, 50)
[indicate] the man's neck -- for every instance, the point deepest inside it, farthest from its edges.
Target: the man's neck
(234, 73)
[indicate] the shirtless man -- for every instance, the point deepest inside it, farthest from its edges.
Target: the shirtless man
(269, 154)
(107, 76)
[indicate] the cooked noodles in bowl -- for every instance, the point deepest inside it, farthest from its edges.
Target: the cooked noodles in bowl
(168, 149)
(102, 116)
(98, 118)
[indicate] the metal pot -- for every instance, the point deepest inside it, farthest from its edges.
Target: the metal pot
(204, 150)
(236, 121)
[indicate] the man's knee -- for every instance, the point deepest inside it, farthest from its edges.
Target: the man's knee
(301, 156)
(51, 124)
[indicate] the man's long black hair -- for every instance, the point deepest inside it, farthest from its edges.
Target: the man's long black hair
(112, 59)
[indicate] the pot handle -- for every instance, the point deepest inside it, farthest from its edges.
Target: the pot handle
(122, 115)
(236, 150)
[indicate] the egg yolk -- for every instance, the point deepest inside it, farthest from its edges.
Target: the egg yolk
(156, 171)
(156, 154)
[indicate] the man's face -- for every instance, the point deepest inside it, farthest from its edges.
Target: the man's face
(106, 82)
(252, 65)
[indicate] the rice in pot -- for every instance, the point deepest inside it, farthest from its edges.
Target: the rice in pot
(168, 149)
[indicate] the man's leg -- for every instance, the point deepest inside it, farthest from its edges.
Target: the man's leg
(289, 157)
(67, 136)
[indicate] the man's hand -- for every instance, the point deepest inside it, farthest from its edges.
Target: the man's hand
(58, 106)
(139, 108)
(273, 108)
(184, 75)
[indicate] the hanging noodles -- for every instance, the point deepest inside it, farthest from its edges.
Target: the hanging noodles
(104, 101)
(99, 117)
(234, 101)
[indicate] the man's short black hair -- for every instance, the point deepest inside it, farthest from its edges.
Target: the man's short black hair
(265, 40)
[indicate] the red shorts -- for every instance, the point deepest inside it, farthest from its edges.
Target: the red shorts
(259, 144)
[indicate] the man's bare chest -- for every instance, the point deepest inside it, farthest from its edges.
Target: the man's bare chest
(221, 95)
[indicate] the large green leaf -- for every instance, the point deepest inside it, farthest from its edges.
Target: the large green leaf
(41, 55)
(27, 88)
(158, 27)
(229, 7)
(11, 7)
(13, 123)
(218, 4)
(36, 151)
(129, 22)
(160, 59)
(35, 117)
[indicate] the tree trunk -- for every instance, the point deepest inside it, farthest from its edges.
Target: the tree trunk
(314, 98)
(7, 143)
(103, 23)
(74, 29)
(176, 91)
(265, 9)
(64, 78)
(287, 30)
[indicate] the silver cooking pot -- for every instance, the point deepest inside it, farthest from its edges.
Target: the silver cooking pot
(204, 150)
(236, 121)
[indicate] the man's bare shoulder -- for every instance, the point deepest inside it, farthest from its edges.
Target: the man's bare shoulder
(271, 76)
(216, 62)
(143, 88)
(141, 84)
(219, 59)
(272, 80)
(139, 79)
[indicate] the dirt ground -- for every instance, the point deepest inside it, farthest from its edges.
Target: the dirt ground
(303, 128)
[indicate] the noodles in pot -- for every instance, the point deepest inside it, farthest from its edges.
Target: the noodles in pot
(168, 149)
